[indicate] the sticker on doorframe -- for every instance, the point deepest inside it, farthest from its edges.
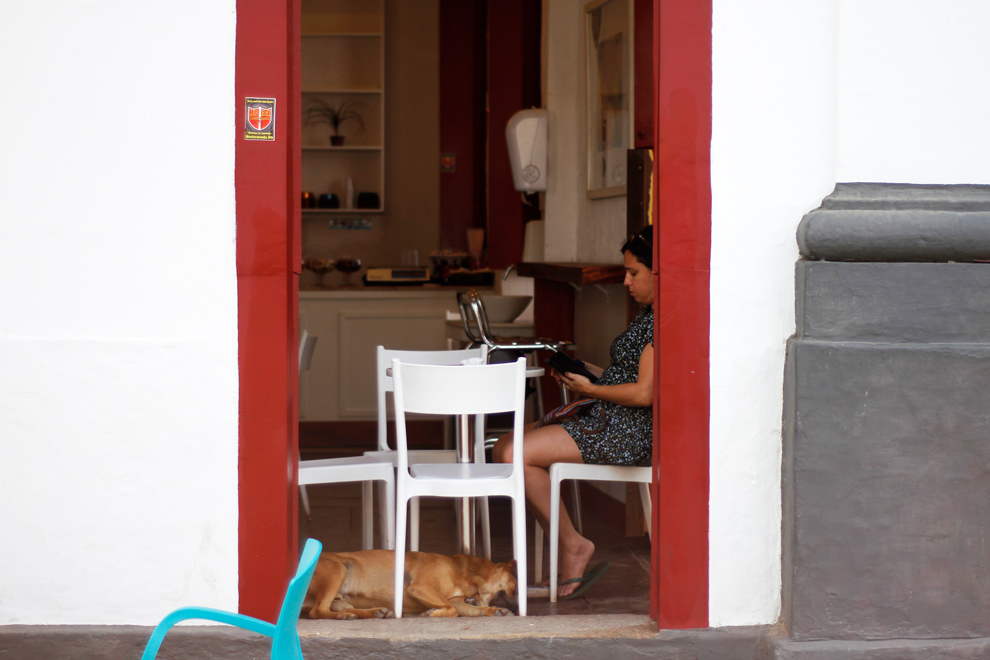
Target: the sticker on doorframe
(259, 119)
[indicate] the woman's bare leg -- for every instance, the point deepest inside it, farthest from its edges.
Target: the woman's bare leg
(545, 446)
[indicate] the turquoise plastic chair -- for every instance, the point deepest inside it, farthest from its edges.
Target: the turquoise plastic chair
(284, 634)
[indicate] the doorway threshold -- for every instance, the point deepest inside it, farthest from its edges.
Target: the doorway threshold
(576, 636)
(415, 628)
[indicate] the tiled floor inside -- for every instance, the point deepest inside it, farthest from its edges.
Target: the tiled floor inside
(336, 522)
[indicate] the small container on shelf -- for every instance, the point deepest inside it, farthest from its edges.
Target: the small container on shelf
(348, 266)
(319, 265)
(368, 200)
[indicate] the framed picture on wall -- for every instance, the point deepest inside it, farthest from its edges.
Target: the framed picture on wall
(608, 43)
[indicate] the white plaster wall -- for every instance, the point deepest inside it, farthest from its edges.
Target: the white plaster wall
(914, 88)
(831, 90)
(577, 229)
(118, 331)
(563, 83)
(773, 159)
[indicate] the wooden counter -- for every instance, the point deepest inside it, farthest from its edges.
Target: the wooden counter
(572, 273)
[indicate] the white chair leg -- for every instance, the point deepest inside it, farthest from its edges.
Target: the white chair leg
(576, 505)
(389, 532)
(400, 555)
(470, 541)
(413, 524)
(537, 553)
(458, 519)
(367, 515)
(553, 532)
(305, 502)
(519, 548)
(386, 526)
(644, 498)
(486, 528)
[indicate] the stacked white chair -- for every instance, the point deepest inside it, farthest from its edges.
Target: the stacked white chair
(365, 469)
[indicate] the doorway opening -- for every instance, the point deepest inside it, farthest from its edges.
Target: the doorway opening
(679, 570)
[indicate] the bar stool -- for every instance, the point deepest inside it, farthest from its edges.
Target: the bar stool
(474, 318)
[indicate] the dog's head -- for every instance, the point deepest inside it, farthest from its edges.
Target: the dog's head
(498, 588)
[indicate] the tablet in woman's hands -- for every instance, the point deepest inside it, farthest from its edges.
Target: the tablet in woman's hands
(564, 363)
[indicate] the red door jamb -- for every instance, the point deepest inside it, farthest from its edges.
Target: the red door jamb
(683, 106)
(268, 218)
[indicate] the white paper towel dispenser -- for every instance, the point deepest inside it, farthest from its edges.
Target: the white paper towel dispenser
(526, 134)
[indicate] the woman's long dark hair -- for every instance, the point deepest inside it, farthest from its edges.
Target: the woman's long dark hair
(640, 245)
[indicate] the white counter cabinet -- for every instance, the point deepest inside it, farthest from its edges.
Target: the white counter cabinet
(351, 324)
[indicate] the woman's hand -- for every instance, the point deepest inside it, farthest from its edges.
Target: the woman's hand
(567, 379)
(636, 394)
(574, 382)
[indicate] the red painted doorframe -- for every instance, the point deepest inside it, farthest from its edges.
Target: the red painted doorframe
(268, 264)
(682, 216)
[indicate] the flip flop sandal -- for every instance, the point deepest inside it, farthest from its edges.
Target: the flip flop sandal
(586, 580)
(546, 584)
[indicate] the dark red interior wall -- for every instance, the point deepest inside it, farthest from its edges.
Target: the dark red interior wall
(513, 85)
(462, 118)
(682, 55)
(643, 73)
(267, 202)
(489, 69)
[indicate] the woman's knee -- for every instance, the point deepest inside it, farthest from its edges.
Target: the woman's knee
(502, 451)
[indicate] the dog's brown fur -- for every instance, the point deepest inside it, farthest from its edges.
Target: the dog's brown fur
(360, 585)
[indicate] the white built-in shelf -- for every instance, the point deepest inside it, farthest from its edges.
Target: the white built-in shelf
(343, 61)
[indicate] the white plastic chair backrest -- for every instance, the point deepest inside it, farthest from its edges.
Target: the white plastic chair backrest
(385, 382)
(307, 343)
(461, 390)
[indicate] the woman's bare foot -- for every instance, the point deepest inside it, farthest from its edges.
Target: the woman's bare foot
(573, 561)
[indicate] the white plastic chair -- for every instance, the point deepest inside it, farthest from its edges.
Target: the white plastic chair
(345, 470)
(307, 344)
(461, 391)
(386, 453)
(585, 472)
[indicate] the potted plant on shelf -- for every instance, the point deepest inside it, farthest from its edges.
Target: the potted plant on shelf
(320, 112)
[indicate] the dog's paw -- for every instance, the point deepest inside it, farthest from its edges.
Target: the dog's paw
(501, 611)
(440, 611)
(384, 613)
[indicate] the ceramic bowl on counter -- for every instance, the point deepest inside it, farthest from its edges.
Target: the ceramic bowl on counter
(505, 309)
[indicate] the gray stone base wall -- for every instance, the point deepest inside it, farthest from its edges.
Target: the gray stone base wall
(887, 428)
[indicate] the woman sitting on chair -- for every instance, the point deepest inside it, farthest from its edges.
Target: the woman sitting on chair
(611, 424)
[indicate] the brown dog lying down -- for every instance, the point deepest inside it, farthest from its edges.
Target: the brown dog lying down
(359, 585)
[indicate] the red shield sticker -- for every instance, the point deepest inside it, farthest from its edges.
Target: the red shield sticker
(260, 118)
